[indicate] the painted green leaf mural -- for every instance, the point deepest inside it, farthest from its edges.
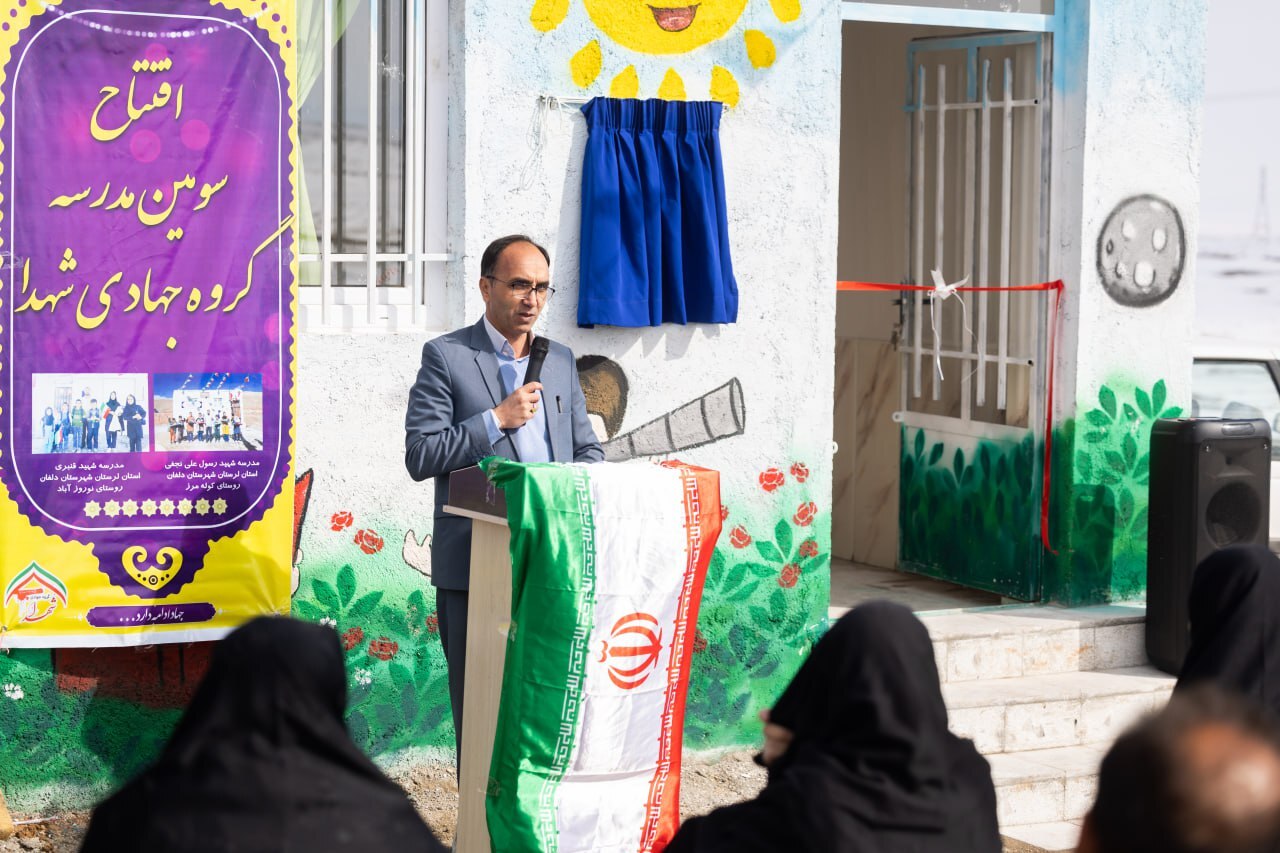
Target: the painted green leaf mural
(1107, 398)
(1106, 489)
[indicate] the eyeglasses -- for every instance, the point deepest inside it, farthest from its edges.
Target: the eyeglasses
(522, 288)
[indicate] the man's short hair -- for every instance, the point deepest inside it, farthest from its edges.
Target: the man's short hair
(489, 260)
(1157, 793)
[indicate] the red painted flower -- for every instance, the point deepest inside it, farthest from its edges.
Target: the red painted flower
(369, 542)
(739, 537)
(805, 513)
(771, 479)
(809, 548)
(352, 637)
(800, 471)
(724, 512)
(383, 648)
(433, 624)
(788, 576)
(341, 520)
(699, 642)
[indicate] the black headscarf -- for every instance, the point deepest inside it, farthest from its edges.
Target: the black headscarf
(872, 766)
(261, 761)
(1234, 609)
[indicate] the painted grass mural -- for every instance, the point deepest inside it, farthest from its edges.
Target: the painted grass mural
(65, 746)
(970, 517)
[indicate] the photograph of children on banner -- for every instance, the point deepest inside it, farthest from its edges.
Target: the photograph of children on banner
(208, 411)
(89, 413)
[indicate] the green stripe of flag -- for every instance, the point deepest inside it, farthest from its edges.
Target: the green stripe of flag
(552, 528)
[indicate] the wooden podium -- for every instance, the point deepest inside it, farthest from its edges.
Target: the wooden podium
(472, 496)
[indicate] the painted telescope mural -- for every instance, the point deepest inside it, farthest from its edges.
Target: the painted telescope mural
(147, 305)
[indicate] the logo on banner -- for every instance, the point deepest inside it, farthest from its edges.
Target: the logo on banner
(151, 575)
(38, 593)
(632, 650)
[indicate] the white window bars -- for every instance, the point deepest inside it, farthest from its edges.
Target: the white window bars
(978, 122)
(373, 93)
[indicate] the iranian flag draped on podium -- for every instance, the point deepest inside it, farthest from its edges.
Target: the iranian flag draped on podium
(608, 562)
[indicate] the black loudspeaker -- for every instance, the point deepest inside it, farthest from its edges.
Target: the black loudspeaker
(1210, 488)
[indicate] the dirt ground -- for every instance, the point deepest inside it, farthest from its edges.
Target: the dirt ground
(708, 781)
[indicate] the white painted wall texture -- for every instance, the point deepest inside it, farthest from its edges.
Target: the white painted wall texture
(1130, 79)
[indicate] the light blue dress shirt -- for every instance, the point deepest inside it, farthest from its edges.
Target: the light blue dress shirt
(532, 440)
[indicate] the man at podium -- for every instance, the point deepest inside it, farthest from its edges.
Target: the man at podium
(470, 401)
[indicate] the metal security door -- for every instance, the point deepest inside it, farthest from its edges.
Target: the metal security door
(973, 363)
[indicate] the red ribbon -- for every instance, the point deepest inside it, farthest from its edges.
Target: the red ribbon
(1057, 288)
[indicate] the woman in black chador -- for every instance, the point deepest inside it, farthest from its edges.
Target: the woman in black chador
(1234, 611)
(866, 761)
(111, 411)
(261, 761)
(133, 416)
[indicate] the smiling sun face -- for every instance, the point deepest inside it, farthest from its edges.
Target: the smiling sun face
(663, 28)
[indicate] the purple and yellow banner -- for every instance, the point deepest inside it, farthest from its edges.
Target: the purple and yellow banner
(147, 338)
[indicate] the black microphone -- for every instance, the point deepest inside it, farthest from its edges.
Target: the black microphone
(537, 354)
(538, 348)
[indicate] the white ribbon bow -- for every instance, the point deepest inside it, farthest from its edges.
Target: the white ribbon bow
(941, 292)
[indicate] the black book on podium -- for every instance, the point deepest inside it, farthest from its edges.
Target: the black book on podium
(470, 489)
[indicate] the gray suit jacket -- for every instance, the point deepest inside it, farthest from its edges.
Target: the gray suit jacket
(445, 429)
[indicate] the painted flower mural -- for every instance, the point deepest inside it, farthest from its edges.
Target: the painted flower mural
(771, 479)
(369, 541)
(383, 648)
(352, 637)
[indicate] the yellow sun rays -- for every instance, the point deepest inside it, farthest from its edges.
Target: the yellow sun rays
(549, 14)
(626, 84)
(785, 11)
(672, 87)
(760, 49)
(586, 65)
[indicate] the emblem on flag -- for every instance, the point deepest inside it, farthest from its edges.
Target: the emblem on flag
(632, 649)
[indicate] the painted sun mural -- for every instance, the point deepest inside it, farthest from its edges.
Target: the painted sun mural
(666, 28)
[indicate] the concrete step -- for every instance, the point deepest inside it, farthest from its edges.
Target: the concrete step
(1045, 785)
(1057, 837)
(1057, 710)
(1021, 640)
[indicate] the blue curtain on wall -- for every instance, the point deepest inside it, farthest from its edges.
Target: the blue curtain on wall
(655, 240)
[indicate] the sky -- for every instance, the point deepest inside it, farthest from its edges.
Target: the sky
(1241, 118)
